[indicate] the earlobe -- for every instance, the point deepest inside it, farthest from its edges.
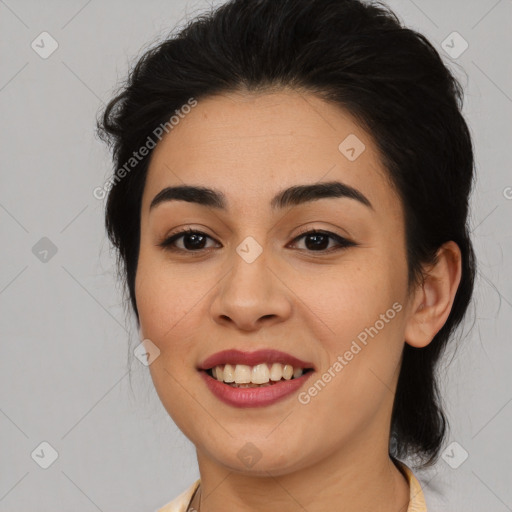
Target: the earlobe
(434, 297)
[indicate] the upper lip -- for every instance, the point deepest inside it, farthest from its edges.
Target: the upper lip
(235, 357)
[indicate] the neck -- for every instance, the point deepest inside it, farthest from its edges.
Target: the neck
(345, 481)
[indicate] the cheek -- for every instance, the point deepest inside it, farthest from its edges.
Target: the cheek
(362, 306)
(165, 303)
(164, 298)
(349, 297)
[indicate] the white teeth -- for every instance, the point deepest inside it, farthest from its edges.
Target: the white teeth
(262, 374)
(287, 371)
(296, 373)
(243, 374)
(229, 373)
(276, 372)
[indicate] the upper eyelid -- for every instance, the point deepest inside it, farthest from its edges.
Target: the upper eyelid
(171, 239)
(306, 231)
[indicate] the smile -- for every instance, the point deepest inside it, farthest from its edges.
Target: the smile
(254, 379)
(261, 375)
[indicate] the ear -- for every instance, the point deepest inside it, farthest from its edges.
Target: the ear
(433, 299)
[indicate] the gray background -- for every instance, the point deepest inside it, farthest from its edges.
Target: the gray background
(64, 331)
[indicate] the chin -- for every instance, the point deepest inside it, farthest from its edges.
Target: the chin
(255, 458)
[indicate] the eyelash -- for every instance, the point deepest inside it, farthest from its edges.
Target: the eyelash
(343, 243)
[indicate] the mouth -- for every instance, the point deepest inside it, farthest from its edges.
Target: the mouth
(260, 375)
(232, 374)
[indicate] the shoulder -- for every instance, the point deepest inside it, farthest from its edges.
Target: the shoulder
(416, 497)
(180, 503)
(438, 486)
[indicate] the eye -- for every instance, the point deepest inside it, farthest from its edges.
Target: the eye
(193, 241)
(316, 241)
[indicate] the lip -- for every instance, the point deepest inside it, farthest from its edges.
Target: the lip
(254, 397)
(234, 357)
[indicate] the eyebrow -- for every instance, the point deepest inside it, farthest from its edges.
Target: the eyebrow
(297, 194)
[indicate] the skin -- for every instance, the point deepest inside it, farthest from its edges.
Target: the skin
(333, 452)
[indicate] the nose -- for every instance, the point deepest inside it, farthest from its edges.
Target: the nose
(251, 295)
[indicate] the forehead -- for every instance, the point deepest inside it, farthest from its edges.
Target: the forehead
(251, 145)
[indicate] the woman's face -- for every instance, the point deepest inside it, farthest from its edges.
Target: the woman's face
(250, 280)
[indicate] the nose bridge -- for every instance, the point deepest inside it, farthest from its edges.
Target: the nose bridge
(251, 289)
(250, 278)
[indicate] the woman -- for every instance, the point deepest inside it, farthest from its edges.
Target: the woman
(290, 209)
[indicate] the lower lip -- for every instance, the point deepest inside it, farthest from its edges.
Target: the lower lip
(254, 397)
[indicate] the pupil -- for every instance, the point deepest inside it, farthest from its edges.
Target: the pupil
(193, 237)
(317, 243)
